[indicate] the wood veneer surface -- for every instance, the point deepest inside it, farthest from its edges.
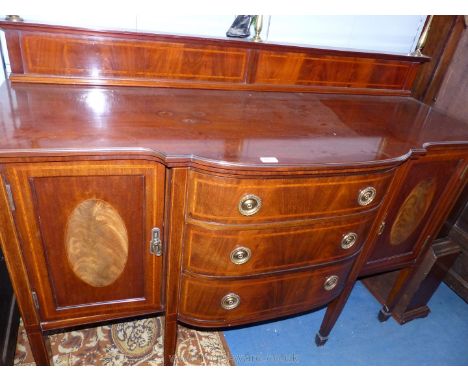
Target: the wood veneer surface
(55, 54)
(221, 128)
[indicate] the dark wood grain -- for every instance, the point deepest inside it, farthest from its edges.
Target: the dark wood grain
(19, 276)
(453, 92)
(309, 69)
(176, 191)
(230, 42)
(40, 347)
(446, 58)
(262, 298)
(182, 159)
(212, 129)
(423, 284)
(442, 40)
(44, 226)
(217, 199)
(97, 57)
(96, 242)
(410, 212)
(454, 188)
(336, 306)
(208, 247)
(73, 55)
(12, 39)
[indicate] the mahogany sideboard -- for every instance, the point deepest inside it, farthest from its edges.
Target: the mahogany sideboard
(217, 182)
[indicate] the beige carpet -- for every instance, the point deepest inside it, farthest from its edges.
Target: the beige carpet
(136, 342)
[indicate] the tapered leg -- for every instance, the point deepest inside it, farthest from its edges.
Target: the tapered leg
(395, 294)
(178, 185)
(40, 347)
(334, 310)
(384, 314)
(170, 341)
(319, 340)
(39, 343)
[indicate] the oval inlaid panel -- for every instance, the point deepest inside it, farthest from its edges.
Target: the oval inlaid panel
(96, 242)
(412, 211)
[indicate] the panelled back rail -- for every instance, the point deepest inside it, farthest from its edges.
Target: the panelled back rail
(215, 208)
(56, 54)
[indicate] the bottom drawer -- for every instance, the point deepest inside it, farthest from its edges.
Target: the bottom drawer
(220, 302)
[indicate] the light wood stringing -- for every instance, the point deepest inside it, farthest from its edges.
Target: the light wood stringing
(260, 298)
(412, 211)
(213, 198)
(273, 247)
(53, 54)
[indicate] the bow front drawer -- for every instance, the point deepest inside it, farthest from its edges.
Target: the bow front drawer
(220, 302)
(214, 250)
(234, 200)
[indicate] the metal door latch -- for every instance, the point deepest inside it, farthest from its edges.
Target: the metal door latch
(156, 244)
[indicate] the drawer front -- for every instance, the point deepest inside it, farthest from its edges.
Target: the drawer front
(239, 252)
(218, 302)
(231, 200)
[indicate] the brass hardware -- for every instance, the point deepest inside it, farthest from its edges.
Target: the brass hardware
(381, 228)
(35, 300)
(423, 38)
(331, 282)
(14, 18)
(155, 243)
(11, 201)
(240, 255)
(366, 196)
(349, 240)
(250, 204)
(230, 301)
(258, 28)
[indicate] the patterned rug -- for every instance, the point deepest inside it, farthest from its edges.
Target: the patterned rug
(136, 342)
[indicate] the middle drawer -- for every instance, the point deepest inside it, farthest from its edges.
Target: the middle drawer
(218, 251)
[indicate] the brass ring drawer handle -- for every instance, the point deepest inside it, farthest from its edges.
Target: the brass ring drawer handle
(230, 301)
(240, 255)
(331, 282)
(250, 204)
(349, 240)
(366, 196)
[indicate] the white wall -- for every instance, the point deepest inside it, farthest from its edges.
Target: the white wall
(397, 34)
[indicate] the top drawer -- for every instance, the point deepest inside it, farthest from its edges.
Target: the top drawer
(233, 200)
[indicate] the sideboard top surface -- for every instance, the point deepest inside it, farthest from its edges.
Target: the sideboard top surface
(219, 128)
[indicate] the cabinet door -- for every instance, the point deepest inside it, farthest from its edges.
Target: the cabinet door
(85, 229)
(427, 185)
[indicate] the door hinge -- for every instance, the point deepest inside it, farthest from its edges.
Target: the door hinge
(156, 244)
(35, 300)
(11, 202)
